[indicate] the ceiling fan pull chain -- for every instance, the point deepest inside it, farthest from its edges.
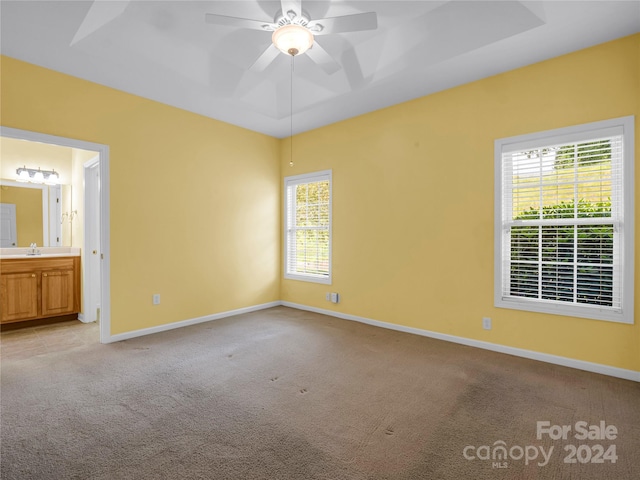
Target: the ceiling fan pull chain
(291, 116)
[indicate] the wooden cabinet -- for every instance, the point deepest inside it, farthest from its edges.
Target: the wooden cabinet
(19, 296)
(33, 288)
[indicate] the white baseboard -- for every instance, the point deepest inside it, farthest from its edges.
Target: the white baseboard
(185, 323)
(518, 352)
(81, 317)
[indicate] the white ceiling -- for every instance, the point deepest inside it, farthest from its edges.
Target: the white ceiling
(164, 50)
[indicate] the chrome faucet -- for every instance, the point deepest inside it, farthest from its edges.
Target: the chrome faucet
(34, 250)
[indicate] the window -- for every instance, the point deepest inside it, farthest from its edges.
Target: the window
(307, 249)
(564, 221)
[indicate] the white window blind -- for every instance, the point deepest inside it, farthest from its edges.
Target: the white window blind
(563, 223)
(308, 227)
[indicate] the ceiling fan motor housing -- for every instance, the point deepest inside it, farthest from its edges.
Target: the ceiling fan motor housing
(291, 18)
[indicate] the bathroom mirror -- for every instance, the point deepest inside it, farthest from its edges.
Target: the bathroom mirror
(43, 214)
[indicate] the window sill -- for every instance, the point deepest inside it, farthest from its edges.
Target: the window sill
(587, 312)
(309, 278)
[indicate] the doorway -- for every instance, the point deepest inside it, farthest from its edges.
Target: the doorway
(99, 194)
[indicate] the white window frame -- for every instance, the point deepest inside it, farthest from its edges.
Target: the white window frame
(625, 314)
(293, 181)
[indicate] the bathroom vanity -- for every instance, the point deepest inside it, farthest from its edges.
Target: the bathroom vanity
(39, 286)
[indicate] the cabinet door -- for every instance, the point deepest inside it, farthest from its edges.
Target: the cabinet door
(19, 292)
(58, 293)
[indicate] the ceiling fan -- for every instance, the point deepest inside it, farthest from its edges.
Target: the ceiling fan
(293, 32)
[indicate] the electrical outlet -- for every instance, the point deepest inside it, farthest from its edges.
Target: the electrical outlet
(486, 323)
(335, 298)
(156, 299)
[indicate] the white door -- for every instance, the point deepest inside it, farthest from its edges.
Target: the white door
(55, 214)
(8, 234)
(92, 251)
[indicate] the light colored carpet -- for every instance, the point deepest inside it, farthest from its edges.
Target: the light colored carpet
(285, 394)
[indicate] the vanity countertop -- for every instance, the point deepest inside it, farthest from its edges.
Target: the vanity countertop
(45, 252)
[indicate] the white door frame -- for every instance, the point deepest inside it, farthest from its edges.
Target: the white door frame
(105, 233)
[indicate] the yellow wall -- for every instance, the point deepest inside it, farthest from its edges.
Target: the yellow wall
(28, 202)
(413, 209)
(194, 201)
(196, 207)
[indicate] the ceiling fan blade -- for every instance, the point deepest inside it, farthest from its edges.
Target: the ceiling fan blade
(265, 59)
(346, 23)
(291, 6)
(320, 56)
(239, 22)
(99, 14)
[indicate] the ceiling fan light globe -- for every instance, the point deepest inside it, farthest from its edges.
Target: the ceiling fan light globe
(292, 39)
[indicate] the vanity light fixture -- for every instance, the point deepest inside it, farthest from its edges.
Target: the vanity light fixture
(33, 175)
(23, 175)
